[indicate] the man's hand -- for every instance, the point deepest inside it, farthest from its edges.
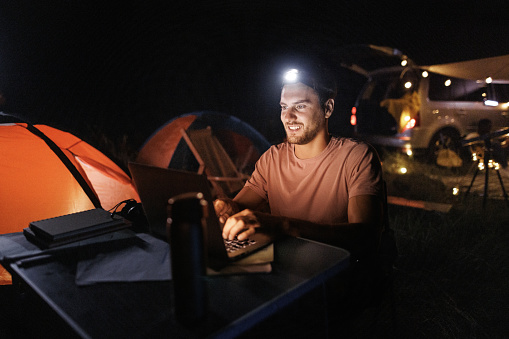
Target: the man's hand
(225, 208)
(242, 225)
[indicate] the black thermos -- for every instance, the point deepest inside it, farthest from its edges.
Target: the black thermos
(185, 228)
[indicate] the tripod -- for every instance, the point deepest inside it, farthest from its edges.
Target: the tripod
(487, 166)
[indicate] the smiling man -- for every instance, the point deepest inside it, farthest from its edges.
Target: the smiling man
(317, 186)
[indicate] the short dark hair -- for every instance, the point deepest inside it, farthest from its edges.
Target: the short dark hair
(319, 79)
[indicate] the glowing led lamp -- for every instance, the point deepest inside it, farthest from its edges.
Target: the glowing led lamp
(408, 150)
(491, 103)
(292, 75)
(410, 124)
(353, 117)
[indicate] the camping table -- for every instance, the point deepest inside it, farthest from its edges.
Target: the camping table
(142, 309)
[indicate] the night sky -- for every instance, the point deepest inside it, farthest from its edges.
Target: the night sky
(124, 68)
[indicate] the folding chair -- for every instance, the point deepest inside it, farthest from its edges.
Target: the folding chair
(214, 161)
(368, 303)
(387, 255)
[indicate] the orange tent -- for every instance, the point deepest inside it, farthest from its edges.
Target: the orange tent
(166, 147)
(35, 184)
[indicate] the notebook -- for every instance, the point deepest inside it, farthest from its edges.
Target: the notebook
(157, 185)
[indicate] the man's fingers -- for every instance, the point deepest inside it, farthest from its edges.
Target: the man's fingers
(241, 225)
(220, 206)
(231, 226)
(223, 210)
(246, 233)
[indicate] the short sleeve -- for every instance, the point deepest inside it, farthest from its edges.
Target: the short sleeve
(258, 180)
(365, 172)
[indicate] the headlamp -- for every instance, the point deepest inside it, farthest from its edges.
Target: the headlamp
(321, 82)
(291, 76)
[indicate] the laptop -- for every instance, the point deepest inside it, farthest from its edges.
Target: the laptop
(157, 185)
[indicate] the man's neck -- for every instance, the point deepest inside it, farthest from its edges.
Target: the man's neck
(313, 148)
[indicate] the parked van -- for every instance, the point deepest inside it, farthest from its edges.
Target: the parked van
(419, 111)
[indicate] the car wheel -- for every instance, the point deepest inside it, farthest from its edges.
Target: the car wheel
(444, 139)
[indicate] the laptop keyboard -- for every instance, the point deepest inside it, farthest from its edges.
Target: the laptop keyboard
(236, 244)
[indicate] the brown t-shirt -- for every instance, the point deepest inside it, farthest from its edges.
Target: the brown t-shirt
(317, 189)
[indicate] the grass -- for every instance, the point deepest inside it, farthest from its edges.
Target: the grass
(452, 273)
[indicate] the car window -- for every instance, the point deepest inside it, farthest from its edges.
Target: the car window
(498, 92)
(445, 88)
(390, 86)
(376, 88)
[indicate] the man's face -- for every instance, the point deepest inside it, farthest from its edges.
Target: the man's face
(301, 113)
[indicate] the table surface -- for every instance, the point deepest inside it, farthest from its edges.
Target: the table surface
(143, 309)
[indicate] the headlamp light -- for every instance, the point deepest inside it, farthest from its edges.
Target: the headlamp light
(320, 82)
(291, 76)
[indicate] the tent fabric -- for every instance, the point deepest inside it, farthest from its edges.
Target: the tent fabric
(36, 185)
(166, 148)
(495, 67)
(364, 59)
(159, 148)
(67, 162)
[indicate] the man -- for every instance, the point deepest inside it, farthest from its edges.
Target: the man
(317, 186)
